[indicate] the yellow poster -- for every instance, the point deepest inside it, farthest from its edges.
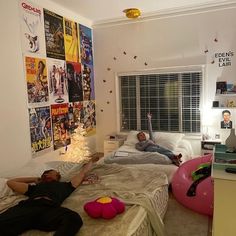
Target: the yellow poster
(36, 77)
(71, 41)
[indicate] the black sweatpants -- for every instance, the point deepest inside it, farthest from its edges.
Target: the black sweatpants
(42, 215)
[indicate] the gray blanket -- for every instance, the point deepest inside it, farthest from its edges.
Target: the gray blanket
(138, 158)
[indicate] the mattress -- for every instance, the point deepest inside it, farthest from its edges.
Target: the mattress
(143, 189)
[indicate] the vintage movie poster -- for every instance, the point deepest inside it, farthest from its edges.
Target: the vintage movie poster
(32, 28)
(60, 125)
(40, 128)
(89, 117)
(37, 82)
(88, 82)
(76, 115)
(54, 35)
(86, 45)
(75, 83)
(71, 40)
(58, 86)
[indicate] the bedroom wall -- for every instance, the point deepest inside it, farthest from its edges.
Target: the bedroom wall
(165, 42)
(15, 137)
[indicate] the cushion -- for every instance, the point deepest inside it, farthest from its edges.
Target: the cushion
(164, 139)
(167, 140)
(104, 207)
(132, 139)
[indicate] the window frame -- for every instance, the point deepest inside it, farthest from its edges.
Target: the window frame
(167, 70)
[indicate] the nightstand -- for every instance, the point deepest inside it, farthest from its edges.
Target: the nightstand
(111, 145)
(207, 146)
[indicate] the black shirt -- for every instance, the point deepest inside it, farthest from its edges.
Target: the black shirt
(56, 191)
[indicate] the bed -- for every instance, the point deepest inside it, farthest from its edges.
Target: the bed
(145, 198)
(127, 154)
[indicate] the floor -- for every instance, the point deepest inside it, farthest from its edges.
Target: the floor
(181, 221)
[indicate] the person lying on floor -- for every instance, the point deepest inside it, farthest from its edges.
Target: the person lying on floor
(42, 210)
(148, 145)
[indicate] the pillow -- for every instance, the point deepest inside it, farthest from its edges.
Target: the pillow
(30, 169)
(4, 189)
(132, 137)
(104, 207)
(167, 140)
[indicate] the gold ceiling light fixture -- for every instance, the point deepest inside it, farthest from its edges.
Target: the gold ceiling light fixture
(132, 13)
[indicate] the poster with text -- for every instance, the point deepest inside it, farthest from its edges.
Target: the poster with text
(40, 128)
(60, 127)
(71, 40)
(54, 35)
(37, 82)
(32, 28)
(89, 119)
(58, 86)
(76, 115)
(88, 82)
(75, 83)
(86, 45)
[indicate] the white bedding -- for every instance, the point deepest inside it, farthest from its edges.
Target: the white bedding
(172, 141)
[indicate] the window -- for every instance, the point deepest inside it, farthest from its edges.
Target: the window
(173, 99)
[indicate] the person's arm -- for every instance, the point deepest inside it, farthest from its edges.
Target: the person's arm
(149, 116)
(20, 185)
(77, 179)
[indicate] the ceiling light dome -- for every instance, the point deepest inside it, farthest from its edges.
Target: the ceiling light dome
(132, 13)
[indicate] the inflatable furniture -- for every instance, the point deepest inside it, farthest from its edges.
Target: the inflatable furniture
(202, 200)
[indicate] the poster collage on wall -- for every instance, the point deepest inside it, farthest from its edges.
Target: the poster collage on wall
(58, 65)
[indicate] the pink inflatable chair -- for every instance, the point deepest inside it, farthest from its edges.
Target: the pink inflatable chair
(202, 202)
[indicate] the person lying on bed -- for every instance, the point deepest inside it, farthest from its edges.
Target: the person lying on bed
(148, 145)
(42, 210)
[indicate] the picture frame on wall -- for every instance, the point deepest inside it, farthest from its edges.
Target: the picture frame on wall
(221, 87)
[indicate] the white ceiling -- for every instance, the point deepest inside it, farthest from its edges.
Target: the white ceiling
(101, 11)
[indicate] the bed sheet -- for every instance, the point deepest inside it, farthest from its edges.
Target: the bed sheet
(145, 198)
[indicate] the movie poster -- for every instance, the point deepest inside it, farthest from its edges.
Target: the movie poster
(54, 35)
(86, 46)
(40, 128)
(88, 82)
(71, 40)
(75, 83)
(89, 117)
(37, 82)
(58, 86)
(76, 115)
(32, 28)
(60, 125)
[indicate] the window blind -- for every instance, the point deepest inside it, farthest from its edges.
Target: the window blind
(173, 99)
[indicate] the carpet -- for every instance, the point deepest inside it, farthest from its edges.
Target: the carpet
(181, 221)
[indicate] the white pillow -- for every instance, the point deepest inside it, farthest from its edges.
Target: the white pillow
(4, 189)
(167, 140)
(132, 137)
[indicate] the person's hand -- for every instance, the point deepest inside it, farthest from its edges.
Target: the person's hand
(149, 115)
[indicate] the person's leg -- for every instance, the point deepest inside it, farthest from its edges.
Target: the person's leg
(62, 220)
(174, 158)
(16, 220)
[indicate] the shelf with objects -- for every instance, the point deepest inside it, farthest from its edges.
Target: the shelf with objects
(225, 96)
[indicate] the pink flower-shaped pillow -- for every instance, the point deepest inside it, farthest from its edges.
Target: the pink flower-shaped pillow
(104, 207)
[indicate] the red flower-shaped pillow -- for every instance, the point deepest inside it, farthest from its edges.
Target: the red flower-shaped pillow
(104, 207)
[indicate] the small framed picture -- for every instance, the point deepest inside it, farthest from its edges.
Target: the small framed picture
(221, 87)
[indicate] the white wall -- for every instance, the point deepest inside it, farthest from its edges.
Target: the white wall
(15, 137)
(165, 42)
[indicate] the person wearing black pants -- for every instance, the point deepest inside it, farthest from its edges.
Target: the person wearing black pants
(42, 210)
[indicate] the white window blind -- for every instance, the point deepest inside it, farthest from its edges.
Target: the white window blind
(173, 99)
